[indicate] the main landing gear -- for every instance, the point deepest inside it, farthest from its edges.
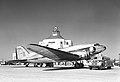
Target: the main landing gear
(26, 64)
(36, 64)
(78, 65)
(49, 65)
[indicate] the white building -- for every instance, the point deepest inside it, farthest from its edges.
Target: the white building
(56, 41)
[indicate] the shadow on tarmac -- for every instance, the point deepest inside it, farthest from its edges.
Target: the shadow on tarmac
(63, 68)
(56, 68)
(102, 69)
(69, 68)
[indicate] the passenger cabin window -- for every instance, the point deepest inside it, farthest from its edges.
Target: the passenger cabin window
(103, 58)
(95, 57)
(66, 43)
(51, 42)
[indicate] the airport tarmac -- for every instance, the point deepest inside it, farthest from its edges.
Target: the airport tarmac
(57, 74)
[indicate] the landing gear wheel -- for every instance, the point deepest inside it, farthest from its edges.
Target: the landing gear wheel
(109, 67)
(41, 64)
(79, 65)
(49, 65)
(35, 65)
(100, 68)
(26, 65)
(90, 67)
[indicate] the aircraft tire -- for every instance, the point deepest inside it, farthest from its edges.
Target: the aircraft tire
(41, 64)
(90, 67)
(26, 65)
(81, 65)
(100, 68)
(77, 65)
(35, 65)
(109, 67)
(51, 65)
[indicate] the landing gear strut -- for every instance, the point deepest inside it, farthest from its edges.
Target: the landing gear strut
(26, 65)
(78, 65)
(49, 65)
(35, 65)
(41, 64)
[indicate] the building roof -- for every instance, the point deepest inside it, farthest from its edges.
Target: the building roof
(55, 34)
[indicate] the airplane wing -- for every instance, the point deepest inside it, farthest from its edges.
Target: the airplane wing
(52, 53)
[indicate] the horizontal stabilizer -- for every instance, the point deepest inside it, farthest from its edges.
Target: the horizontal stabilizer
(16, 61)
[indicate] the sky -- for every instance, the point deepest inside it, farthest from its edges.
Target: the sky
(83, 21)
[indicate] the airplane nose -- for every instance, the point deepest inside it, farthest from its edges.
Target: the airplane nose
(103, 47)
(100, 48)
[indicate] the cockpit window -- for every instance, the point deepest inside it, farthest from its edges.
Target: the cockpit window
(51, 42)
(97, 44)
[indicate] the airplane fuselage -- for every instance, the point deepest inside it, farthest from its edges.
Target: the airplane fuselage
(80, 51)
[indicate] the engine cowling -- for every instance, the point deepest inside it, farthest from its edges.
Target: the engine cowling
(92, 49)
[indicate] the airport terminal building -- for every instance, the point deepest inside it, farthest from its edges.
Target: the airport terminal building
(56, 41)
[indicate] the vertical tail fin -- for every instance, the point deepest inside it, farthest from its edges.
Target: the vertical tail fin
(21, 52)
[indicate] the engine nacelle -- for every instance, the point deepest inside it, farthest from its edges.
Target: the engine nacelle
(92, 49)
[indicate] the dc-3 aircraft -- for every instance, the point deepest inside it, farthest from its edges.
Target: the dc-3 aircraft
(73, 53)
(23, 56)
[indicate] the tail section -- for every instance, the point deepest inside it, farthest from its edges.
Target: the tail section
(21, 52)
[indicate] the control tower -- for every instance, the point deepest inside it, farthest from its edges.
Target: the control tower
(56, 41)
(55, 34)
